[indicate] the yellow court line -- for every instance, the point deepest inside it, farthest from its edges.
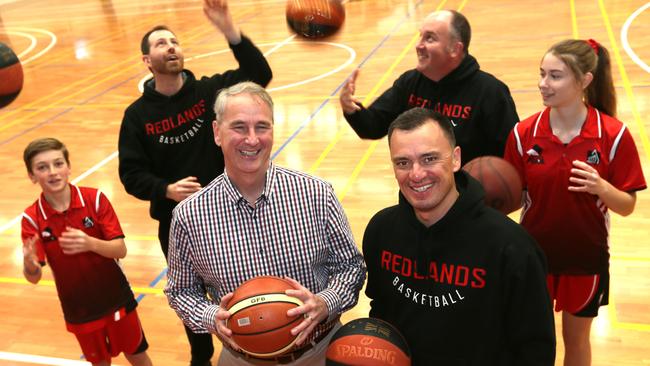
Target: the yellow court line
(644, 139)
(574, 18)
(50, 283)
(626, 81)
(119, 66)
(613, 318)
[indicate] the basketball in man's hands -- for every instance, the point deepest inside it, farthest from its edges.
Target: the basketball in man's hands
(258, 316)
(315, 18)
(500, 181)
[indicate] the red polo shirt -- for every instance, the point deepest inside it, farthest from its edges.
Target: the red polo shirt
(89, 285)
(572, 227)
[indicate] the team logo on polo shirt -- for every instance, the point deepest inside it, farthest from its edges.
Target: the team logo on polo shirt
(88, 222)
(535, 155)
(48, 235)
(593, 157)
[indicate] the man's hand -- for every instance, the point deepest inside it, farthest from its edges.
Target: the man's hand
(349, 103)
(223, 332)
(183, 188)
(218, 13)
(314, 309)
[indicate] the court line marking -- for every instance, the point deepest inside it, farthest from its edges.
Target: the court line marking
(574, 18)
(50, 283)
(86, 84)
(20, 30)
(41, 360)
(277, 45)
(624, 38)
(644, 139)
(342, 131)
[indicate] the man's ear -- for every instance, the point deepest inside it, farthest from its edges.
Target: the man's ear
(32, 177)
(456, 158)
(215, 129)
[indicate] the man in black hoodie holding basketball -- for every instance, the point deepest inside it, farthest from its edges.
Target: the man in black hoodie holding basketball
(463, 283)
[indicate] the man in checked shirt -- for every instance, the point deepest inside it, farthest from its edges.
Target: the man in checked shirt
(260, 219)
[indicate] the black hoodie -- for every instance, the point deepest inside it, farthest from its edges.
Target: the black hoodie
(479, 105)
(166, 138)
(469, 290)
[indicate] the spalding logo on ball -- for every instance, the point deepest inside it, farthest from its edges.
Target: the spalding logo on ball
(368, 342)
(258, 317)
(11, 75)
(315, 18)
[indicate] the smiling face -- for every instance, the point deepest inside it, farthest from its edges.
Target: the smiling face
(51, 171)
(424, 163)
(245, 134)
(558, 84)
(165, 54)
(438, 52)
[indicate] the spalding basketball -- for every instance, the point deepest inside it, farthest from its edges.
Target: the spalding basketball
(11, 75)
(258, 316)
(368, 342)
(315, 18)
(500, 181)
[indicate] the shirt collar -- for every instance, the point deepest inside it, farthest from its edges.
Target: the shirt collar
(591, 129)
(76, 201)
(236, 197)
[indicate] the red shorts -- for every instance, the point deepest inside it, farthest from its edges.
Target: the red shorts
(579, 295)
(105, 338)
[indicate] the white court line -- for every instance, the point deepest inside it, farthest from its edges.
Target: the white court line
(40, 360)
(626, 44)
(52, 36)
(32, 44)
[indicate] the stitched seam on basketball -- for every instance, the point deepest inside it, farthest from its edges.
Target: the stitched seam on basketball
(268, 330)
(246, 303)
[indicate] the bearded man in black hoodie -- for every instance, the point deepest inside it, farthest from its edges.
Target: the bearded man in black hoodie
(166, 144)
(447, 79)
(462, 282)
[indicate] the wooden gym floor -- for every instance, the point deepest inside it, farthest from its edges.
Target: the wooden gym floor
(82, 68)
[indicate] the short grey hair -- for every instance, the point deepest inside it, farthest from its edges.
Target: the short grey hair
(246, 87)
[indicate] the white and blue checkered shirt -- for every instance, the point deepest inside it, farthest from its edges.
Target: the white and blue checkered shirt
(297, 229)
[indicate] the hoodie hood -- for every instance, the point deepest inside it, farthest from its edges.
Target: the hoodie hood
(150, 92)
(471, 198)
(467, 68)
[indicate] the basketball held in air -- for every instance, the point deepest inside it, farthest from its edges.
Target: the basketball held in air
(315, 19)
(11, 75)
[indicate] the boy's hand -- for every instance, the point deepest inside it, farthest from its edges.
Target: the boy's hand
(29, 252)
(75, 241)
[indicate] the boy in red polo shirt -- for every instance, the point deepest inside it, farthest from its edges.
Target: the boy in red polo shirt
(76, 231)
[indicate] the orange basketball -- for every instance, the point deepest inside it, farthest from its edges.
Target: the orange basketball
(500, 181)
(258, 316)
(315, 18)
(368, 342)
(11, 75)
